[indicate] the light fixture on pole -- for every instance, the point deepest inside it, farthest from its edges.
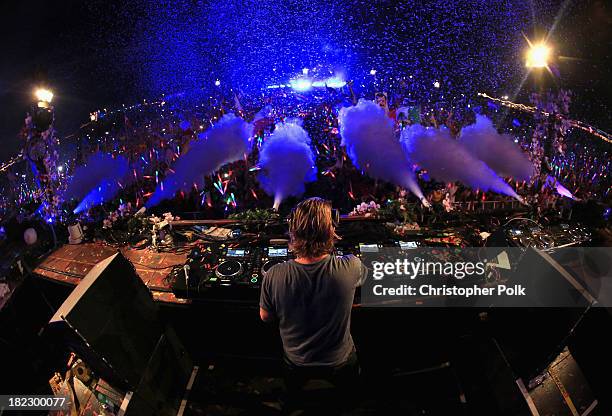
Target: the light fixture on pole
(538, 55)
(44, 97)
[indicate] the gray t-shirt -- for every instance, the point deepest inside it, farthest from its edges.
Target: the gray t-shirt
(312, 303)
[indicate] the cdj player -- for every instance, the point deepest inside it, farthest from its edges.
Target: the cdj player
(248, 265)
(222, 271)
(234, 271)
(215, 269)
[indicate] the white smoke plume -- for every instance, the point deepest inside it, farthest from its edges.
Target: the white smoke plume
(100, 168)
(447, 160)
(498, 151)
(367, 133)
(287, 162)
(225, 142)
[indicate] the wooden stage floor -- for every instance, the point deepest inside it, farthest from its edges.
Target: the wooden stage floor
(70, 263)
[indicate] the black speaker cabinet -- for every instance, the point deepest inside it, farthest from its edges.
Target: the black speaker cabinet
(111, 322)
(562, 390)
(164, 381)
(492, 387)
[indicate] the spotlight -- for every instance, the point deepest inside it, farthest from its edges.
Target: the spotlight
(537, 56)
(301, 84)
(217, 83)
(436, 84)
(335, 82)
(44, 97)
(372, 72)
(305, 71)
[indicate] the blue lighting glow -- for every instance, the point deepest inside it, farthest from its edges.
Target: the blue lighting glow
(335, 83)
(301, 84)
(305, 84)
(251, 44)
(103, 192)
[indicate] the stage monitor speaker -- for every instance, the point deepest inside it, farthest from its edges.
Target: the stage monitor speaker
(164, 381)
(563, 390)
(534, 334)
(498, 239)
(112, 323)
(492, 386)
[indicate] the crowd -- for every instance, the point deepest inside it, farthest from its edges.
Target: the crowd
(152, 135)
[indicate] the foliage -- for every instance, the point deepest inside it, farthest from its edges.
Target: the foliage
(397, 210)
(257, 214)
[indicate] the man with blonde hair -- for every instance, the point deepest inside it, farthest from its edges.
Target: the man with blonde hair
(311, 298)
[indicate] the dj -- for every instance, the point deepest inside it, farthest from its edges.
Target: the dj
(311, 299)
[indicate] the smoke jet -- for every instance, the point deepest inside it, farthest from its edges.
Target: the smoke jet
(498, 151)
(287, 162)
(97, 181)
(369, 138)
(447, 160)
(225, 142)
(553, 183)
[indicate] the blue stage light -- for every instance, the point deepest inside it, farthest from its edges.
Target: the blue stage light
(335, 83)
(301, 84)
(253, 47)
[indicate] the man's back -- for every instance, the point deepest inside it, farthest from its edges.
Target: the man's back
(312, 303)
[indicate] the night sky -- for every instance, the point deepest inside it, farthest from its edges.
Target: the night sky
(104, 53)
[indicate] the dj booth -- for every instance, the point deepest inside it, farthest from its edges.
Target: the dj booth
(208, 287)
(226, 260)
(230, 268)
